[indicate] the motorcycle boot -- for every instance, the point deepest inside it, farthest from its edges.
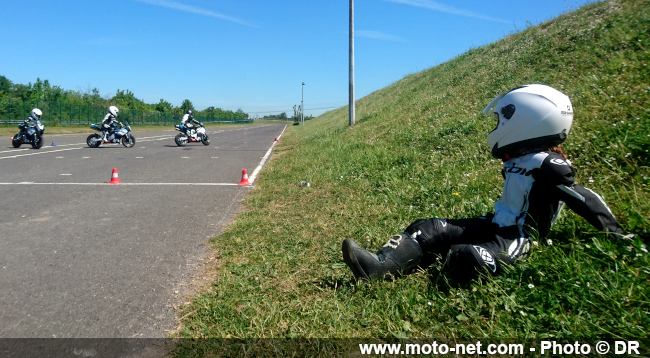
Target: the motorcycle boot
(399, 256)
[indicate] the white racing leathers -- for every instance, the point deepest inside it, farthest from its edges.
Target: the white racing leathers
(108, 124)
(108, 121)
(187, 121)
(536, 186)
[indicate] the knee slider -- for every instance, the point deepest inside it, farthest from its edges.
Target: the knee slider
(426, 232)
(465, 262)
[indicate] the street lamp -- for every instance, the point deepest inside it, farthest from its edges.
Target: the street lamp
(302, 105)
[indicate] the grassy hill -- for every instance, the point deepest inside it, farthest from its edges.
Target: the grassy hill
(419, 150)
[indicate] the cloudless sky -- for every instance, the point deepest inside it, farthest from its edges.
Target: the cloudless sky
(248, 54)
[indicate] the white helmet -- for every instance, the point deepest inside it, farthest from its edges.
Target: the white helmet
(36, 113)
(113, 110)
(528, 117)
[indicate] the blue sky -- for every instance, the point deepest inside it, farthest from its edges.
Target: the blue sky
(248, 54)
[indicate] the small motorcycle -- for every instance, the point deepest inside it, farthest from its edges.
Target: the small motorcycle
(30, 133)
(192, 135)
(122, 135)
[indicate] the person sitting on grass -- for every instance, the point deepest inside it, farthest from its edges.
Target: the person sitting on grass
(532, 122)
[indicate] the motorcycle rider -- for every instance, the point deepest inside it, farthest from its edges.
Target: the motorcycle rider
(33, 118)
(187, 120)
(110, 122)
(532, 122)
(31, 121)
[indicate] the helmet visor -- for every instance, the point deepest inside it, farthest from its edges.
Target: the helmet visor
(490, 107)
(489, 111)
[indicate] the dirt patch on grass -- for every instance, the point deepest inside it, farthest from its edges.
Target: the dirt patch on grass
(203, 275)
(203, 271)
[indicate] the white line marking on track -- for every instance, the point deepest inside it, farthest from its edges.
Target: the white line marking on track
(15, 150)
(44, 148)
(251, 179)
(45, 152)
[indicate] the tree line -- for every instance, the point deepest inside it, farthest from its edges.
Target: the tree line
(283, 115)
(43, 91)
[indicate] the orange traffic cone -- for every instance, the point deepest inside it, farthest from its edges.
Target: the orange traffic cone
(114, 178)
(244, 178)
(12, 138)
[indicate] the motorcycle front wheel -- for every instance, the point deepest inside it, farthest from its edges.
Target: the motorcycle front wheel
(128, 140)
(94, 140)
(16, 141)
(204, 139)
(181, 139)
(38, 142)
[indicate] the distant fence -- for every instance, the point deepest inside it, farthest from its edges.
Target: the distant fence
(15, 111)
(278, 119)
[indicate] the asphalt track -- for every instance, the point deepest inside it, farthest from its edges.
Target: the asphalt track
(84, 259)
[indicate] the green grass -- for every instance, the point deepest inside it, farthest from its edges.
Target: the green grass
(419, 150)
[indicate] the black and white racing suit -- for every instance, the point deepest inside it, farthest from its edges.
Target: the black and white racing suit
(536, 186)
(186, 123)
(109, 124)
(29, 122)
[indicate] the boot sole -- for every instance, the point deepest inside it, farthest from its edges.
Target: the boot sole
(351, 259)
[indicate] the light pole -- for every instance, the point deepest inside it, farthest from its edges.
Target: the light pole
(302, 105)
